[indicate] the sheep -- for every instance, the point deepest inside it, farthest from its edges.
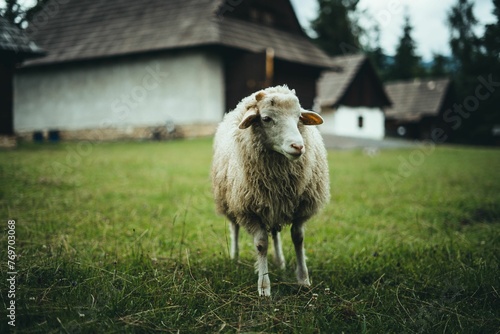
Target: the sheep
(270, 170)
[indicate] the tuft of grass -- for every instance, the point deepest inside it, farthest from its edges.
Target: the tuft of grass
(123, 237)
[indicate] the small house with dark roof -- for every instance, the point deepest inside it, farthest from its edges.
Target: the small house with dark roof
(352, 98)
(418, 107)
(15, 47)
(138, 69)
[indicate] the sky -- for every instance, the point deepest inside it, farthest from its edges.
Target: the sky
(428, 18)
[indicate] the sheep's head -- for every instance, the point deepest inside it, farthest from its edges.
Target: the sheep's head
(278, 117)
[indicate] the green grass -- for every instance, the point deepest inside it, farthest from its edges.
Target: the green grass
(122, 237)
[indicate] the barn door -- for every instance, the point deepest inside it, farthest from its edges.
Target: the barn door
(6, 105)
(247, 73)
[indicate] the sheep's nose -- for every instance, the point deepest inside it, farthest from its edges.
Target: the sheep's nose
(298, 148)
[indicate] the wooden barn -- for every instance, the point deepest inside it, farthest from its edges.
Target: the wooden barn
(146, 69)
(352, 99)
(418, 107)
(15, 47)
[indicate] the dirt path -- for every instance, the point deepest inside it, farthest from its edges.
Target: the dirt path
(349, 143)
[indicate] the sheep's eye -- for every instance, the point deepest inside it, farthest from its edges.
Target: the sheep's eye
(266, 119)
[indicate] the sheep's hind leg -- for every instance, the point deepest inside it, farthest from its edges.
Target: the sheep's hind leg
(234, 229)
(260, 239)
(279, 259)
(297, 232)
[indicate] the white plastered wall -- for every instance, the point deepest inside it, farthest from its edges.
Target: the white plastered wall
(344, 121)
(182, 87)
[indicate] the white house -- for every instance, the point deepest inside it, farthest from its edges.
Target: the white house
(131, 69)
(352, 99)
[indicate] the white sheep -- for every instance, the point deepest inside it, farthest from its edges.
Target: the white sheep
(269, 170)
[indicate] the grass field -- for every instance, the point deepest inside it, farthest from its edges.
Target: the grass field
(122, 237)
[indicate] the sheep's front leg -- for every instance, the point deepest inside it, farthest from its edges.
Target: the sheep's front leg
(298, 242)
(260, 240)
(279, 259)
(234, 229)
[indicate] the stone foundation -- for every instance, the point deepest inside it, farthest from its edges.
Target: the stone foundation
(114, 134)
(8, 141)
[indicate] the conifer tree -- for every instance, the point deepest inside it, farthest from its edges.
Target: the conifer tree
(15, 13)
(407, 64)
(336, 32)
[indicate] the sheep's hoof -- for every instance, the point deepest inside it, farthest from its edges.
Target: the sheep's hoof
(265, 292)
(279, 261)
(281, 265)
(264, 286)
(304, 282)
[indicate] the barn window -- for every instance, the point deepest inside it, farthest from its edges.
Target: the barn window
(360, 122)
(268, 18)
(263, 16)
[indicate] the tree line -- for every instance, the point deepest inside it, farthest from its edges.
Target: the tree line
(20, 15)
(474, 59)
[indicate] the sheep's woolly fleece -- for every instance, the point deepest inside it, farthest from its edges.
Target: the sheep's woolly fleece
(255, 186)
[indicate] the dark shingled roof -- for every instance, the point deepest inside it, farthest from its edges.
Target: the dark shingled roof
(16, 42)
(333, 84)
(89, 29)
(415, 99)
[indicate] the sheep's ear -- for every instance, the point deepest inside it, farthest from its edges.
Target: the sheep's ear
(310, 118)
(260, 95)
(249, 117)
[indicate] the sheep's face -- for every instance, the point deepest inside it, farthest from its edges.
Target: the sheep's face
(278, 119)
